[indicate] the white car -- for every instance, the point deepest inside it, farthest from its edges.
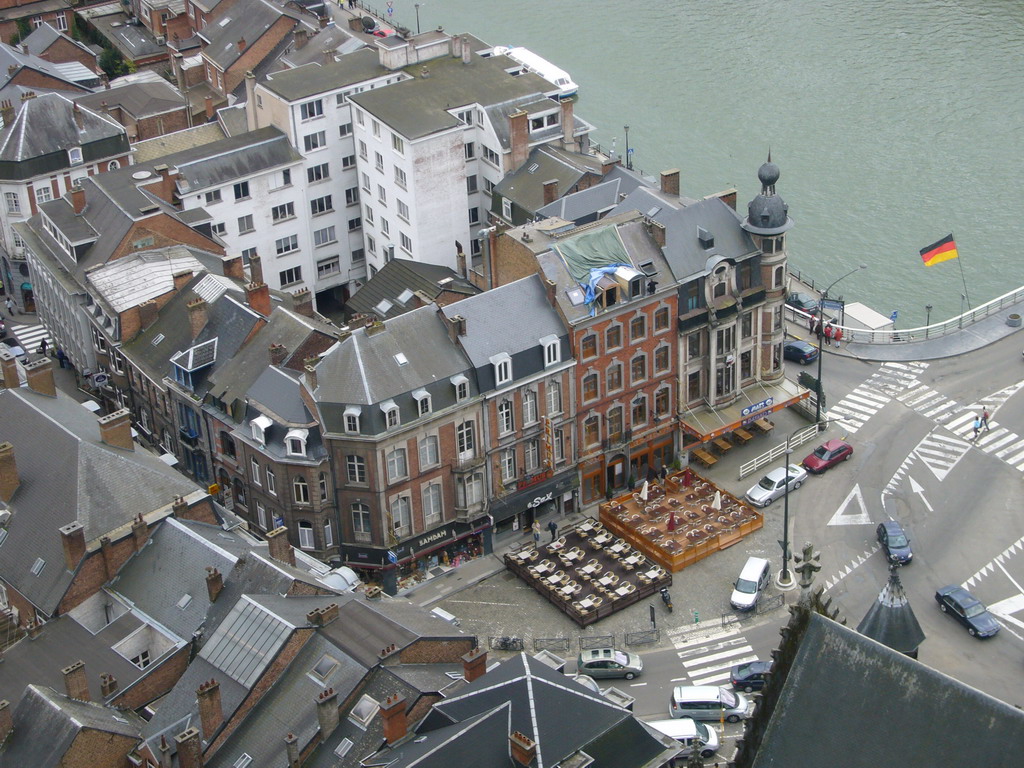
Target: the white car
(773, 485)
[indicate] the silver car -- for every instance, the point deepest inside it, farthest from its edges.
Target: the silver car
(609, 662)
(773, 485)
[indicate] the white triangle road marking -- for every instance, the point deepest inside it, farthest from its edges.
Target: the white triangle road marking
(841, 517)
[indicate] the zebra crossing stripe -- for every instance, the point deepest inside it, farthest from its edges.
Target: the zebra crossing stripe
(995, 443)
(1003, 453)
(717, 656)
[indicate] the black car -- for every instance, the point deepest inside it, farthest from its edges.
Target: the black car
(968, 610)
(800, 351)
(750, 677)
(894, 541)
(803, 302)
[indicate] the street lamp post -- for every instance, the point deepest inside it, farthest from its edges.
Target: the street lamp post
(927, 319)
(821, 349)
(963, 298)
(417, 7)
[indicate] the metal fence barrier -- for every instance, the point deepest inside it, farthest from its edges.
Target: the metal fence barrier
(767, 458)
(643, 637)
(551, 644)
(506, 643)
(596, 641)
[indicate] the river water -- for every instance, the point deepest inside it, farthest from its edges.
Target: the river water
(893, 123)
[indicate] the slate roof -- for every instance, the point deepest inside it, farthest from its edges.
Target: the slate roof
(488, 331)
(247, 21)
(142, 275)
(13, 57)
(331, 38)
(232, 158)
(246, 641)
(891, 620)
(420, 106)
(591, 203)
(99, 486)
(525, 185)
(139, 100)
(46, 724)
(276, 392)
(851, 702)
(538, 698)
(47, 124)
(400, 276)
(150, 150)
(45, 35)
(312, 78)
(683, 250)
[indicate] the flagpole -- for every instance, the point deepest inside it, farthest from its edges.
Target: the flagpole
(960, 259)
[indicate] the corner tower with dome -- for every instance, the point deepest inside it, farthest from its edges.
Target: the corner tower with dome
(767, 222)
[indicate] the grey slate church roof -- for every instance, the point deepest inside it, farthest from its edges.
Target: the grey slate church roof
(891, 620)
(101, 487)
(851, 702)
(386, 294)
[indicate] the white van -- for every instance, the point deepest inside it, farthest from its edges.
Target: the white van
(707, 702)
(752, 582)
(686, 731)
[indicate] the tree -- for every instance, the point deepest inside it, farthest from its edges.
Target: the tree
(113, 63)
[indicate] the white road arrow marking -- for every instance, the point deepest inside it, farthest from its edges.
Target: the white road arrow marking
(916, 488)
(842, 518)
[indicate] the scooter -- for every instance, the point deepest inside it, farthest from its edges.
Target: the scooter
(666, 598)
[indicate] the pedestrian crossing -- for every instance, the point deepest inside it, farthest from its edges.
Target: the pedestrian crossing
(941, 452)
(29, 336)
(707, 659)
(888, 382)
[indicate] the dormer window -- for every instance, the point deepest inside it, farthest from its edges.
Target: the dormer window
(295, 441)
(259, 427)
(75, 155)
(461, 384)
(391, 416)
(352, 417)
(502, 368)
(552, 350)
(422, 398)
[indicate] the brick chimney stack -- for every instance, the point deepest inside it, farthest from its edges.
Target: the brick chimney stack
(140, 532)
(190, 749)
(257, 296)
(327, 712)
(78, 199)
(256, 268)
(302, 302)
(211, 714)
(278, 354)
(116, 429)
(197, 316)
(9, 368)
(280, 548)
(670, 182)
(396, 722)
(474, 664)
(208, 103)
(524, 749)
(39, 375)
(550, 191)
(108, 685)
(291, 750)
(75, 682)
(9, 480)
(214, 583)
(72, 537)
(165, 753)
(519, 137)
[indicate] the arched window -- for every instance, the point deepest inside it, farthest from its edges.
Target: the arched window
(300, 490)
(113, 165)
(305, 534)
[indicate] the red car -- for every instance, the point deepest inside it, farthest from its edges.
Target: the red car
(827, 455)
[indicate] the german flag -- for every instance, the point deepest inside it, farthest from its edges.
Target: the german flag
(944, 250)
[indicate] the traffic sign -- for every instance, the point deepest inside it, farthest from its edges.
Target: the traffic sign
(392, 557)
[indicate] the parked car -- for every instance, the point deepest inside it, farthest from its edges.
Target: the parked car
(688, 731)
(16, 349)
(609, 662)
(773, 485)
(800, 351)
(707, 702)
(752, 582)
(750, 677)
(968, 610)
(894, 541)
(827, 455)
(804, 302)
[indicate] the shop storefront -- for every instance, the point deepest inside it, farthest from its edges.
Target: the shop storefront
(699, 425)
(418, 558)
(519, 510)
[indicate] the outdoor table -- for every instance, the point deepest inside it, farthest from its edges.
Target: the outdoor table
(742, 435)
(723, 446)
(704, 457)
(764, 425)
(586, 603)
(623, 590)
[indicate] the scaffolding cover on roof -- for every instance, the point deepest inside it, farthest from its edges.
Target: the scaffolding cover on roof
(593, 250)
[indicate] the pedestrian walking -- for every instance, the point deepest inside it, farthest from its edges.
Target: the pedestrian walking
(984, 420)
(60, 357)
(811, 322)
(536, 534)
(837, 336)
(553, 527)
(977, 427)
(42, 347)
(10, 306)
(828, 335)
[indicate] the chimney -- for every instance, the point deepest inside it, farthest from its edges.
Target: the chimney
(550, 191)
(670, 182)
(179, 508)
(278, 354)
(328, 55)
(232, 267)
(208, 103)
(211, 714)
(190, 749)
(108, 685)
(657, 232)
(181, 279)
(6, 720)
(9, 481)
(302, 302)
(197, 316)
(214, 583)
(250, 100)
(474, 664)
(140, 532)
(519, 138)
(149, 311)
(107, 553)
(395, 721)
(301, 37)
(24, 46)
(467, 54)
(106, 82)
(568, 124)
(256, 268)
(291, 749)
(327, 712)
(552, 291)
(72, 537)
(7, 112)
(456, 327)
(329, 613)
(311, 376)
(280, 548)
(241, 44)
(78, 199)
(323, 21)
(75, 682)
(257, 296)
(165, 753)
(524, 749)
(460, 260)
(39, 374)
(11, 69)
(9, 367)
(33, 628)
(116, 429)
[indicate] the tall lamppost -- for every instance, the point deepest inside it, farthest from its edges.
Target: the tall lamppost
(963, 298)
(927, 319)
(417, 7)
(821, 349)
(785, 579)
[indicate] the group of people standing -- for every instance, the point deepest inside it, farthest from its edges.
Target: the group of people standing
(833, 334)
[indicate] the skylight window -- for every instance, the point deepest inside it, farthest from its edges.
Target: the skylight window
(37, 566)
(325, 667)
(401, 359)
(157, 339)
(185, 600)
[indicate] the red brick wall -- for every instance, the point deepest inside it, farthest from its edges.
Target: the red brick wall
(156, 683)
(64, 51)
(98, 749)
(446, 651)
(160, 125)
(256, 51)
(511, 260)
(33, 78)
(165, 231)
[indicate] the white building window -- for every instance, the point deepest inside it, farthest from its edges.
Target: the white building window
(502, 368)
(506, 422)
(465, 440)
(271, 482)
(360, 518)
(44, 194)
(552, 350)
(300, 490)
(13, 200)
(261, 516)
(531, 455)
(305, 535)
(259, 427)
(429, 454)
(391, 414)
(397, 465)
(508, 465)
(295, 441)
(422, 398)
(529, 406)
(323, 486)
(401, 516)
(311, 109)
(352, 416)
(355, 467)
(254, 467)
(314, 141)
(432, 504)
(328, 534)
(554, 397)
